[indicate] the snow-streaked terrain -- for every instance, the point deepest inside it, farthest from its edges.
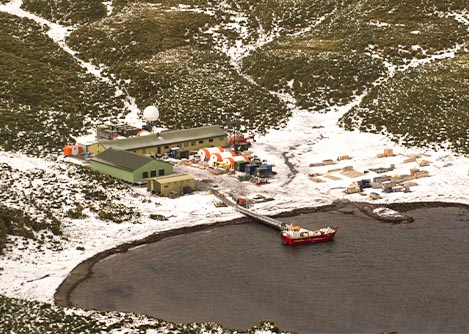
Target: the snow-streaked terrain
(56, 32)
(59, 33)
(306, 139)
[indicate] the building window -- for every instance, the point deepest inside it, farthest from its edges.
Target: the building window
(186, 144)
(161, 172)
(193, 143)
(153, 173)
(210, 140)
(145, 175)
(222, 138)
(166, 146)
(201, 141)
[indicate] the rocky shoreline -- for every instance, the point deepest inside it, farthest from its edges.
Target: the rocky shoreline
(384, 214)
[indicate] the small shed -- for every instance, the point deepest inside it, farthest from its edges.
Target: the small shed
(129, 166)
(240, 166)
(178, 153)
(175, 183)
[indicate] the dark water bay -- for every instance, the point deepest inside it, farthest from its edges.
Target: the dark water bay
(374, 277)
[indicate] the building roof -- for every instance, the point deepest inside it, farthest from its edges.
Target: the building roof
(172, 178)
(122, 159)
(165, 138)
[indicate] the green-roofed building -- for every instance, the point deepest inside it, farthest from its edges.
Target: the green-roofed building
(160, 143)
(129, 166)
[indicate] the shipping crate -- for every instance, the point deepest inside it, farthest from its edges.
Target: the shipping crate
(261, 172)
(352, 173)
(403, 178)
(409, 184)
(413, 159)
(423, 163)
(240, 166)
(328, 162)
(381, 179)
(398, 189)
(375, 185)
(374, 195)
(414, 171)
(388, 184)
(244, 177)
(421, 174)
(182, 154)
(343, 157)
(352, 190)
(381, 170)
(316, 179)
(316, 164)
(332, 177)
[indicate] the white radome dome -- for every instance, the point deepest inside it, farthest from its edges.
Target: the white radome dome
(151, 113)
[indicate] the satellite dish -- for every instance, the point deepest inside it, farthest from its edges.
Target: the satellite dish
(151, 113)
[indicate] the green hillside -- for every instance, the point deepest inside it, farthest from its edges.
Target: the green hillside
(45, 96)
(425, 107)
(169, 53)
(164, 57)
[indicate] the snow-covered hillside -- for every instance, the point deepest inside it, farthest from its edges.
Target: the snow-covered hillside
(54, 186)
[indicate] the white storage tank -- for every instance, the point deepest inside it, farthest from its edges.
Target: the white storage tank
(205, 153)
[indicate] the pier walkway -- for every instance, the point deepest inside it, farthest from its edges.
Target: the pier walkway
(263, 219)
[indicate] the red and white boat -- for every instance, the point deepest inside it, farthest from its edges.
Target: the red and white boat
(295, 235)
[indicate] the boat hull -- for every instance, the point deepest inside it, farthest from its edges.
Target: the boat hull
(308, 240)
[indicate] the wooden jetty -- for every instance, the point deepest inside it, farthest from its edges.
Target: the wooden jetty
(245, 211)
